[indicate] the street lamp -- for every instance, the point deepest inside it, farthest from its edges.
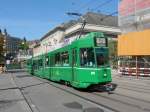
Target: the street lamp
(82, 18)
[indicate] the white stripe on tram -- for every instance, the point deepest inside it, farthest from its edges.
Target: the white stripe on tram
(79, 68)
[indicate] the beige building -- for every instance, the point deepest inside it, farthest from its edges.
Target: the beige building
(71, 30)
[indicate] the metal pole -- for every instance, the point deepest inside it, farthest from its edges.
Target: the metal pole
(32, 66)
(83, 21)
(82, 27)
(137, 67)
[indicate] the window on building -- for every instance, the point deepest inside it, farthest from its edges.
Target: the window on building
(65, 58)
(87, 57)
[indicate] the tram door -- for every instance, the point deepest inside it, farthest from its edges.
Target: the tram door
(74, 63)
(51, 65)
(32, 67)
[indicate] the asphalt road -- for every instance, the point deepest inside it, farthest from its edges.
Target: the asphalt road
(11, 100)
(21, 92)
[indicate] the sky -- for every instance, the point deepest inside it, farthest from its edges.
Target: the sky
(34, 18)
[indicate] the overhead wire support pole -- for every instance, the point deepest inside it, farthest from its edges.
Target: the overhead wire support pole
(82, 27)
(82, 19)
(136, 67)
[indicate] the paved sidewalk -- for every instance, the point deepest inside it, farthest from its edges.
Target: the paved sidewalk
(41, 96)
(131, 95)
(11, 99)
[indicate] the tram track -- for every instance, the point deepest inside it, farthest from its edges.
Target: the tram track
(106, 97)
(134, 88)
(132, 97)
(123, 102)
(21, 90)
(137, 83)
(79, 96)
(103, 96)
(44, 81)
(131, 89)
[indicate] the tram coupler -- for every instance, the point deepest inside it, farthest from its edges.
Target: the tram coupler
(109, 88)
(103, 88)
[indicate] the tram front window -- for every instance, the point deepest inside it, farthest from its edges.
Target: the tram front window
(87, 57)
(101, 57)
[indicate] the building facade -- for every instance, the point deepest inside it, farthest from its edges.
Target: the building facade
(134, 15)
(72, 30)
(12, 46)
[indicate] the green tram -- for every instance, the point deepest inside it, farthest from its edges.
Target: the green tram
(82, 63)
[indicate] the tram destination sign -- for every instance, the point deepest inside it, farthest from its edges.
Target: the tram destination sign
(100, 42)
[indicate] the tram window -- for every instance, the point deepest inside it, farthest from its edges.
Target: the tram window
(52, 60)
(57, 59)
(74, 59)
(65, 58)
(87, 57)
(40, 63)
(102, 58)
(34, 65)
(37, 64)
(28, 62)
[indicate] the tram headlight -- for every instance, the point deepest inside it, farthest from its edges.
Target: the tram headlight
(92, 73)
(105, 75)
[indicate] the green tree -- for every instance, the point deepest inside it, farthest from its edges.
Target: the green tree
(2, 50)
(24, 45)
(112, 44)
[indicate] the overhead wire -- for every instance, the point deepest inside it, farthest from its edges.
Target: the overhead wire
(82, 7)
(102, 4)
(113, 13)
(86, 5)
(99, 6)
